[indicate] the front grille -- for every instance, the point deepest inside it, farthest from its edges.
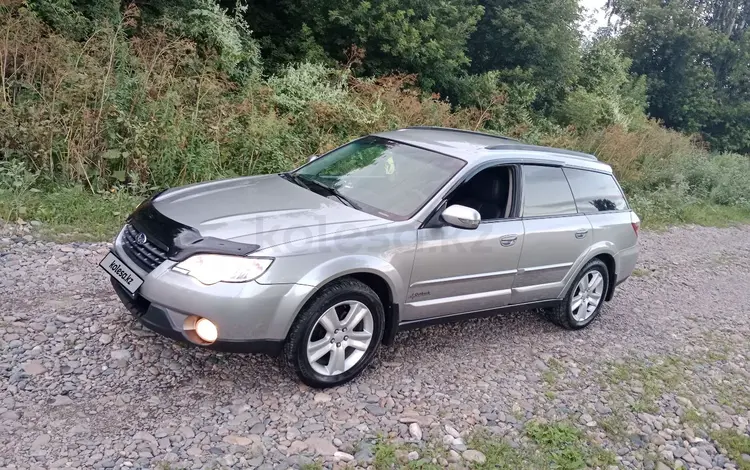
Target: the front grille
(146, 255)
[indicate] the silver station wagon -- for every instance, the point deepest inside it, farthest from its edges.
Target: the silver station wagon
(395, 230)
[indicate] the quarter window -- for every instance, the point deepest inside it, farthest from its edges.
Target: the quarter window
(595, 192)
(546, 192)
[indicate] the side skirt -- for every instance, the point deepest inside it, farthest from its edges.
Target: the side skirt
(478, 314)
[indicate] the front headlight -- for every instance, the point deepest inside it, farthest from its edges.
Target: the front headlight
(210, 269)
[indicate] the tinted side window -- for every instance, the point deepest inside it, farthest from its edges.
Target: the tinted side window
(546, 192)
(595, 192)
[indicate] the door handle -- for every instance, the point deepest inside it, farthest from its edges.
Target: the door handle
(581, 233)
(508, 240)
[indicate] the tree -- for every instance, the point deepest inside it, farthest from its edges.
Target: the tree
(696, 59)
(605, 93)
(540, 36)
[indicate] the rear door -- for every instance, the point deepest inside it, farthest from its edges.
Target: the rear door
(599, 196)
(555, 235)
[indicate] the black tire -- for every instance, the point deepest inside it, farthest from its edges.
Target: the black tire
(295, 349)
(562, 314)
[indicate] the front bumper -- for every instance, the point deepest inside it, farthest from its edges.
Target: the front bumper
(250, 317)
(156, 319)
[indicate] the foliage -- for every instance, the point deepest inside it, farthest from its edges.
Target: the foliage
(695, 57)
(296, 87)
(72, 213)
(550, 445)
(564, 447)
(540, 38)
(410, 36)
(213, 28)
(736, 445)
(606, 94)
(137, 105)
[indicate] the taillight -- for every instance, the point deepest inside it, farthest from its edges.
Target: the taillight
(635, 222)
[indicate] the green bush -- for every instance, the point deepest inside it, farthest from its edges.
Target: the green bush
(134, 108)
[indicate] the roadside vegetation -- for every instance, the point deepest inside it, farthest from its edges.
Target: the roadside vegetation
(103, 103)
(558, 445)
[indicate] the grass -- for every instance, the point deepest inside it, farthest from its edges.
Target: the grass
(559, 446)
(700, 213)
(500, 455)
(311, 466)
(71, 213)
(735, 445)
(385, 455)
(694, 418)
(564, 447)
(614, 426)
(656, 378)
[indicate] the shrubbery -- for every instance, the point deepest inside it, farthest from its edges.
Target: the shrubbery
(134, 107)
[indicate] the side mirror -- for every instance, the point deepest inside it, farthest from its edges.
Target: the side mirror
(311, 158)
(461, 217)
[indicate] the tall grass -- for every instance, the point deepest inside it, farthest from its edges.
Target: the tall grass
(132, 109)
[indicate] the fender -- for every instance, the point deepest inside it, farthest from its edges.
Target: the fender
(343, 266)
(598, 248)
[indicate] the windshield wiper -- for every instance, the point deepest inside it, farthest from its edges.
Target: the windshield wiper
(329, 189)
(295, 179)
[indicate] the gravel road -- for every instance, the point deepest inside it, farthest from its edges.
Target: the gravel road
(662, 372)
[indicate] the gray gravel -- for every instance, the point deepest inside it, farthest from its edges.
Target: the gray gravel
(83, 386)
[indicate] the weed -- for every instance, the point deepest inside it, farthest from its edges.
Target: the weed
(385, 455)
(657, 377)
(311, 466)
(556, 365)
(692, 417)
(75, 211)
(717, 356)
(499, 454)
(639, 272)
(735, 445)
(614, 426)
(563, 446)
(549, 377)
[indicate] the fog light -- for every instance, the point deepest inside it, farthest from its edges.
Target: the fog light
(206, 330)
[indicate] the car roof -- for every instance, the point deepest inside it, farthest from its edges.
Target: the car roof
(478, 147)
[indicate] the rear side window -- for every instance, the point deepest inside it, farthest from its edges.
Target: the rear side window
(595, 192)
(546, 192)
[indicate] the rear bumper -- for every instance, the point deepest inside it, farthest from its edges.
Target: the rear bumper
(158, 319)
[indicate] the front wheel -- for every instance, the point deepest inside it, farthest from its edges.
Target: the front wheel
(585, 298)
(336, 335)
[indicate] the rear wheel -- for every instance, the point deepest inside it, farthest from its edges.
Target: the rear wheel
(584, 299)
(336, 335)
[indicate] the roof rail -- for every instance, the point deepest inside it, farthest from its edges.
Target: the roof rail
(540, 148)
(465, 131)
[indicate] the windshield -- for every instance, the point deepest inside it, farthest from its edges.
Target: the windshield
(386, 178)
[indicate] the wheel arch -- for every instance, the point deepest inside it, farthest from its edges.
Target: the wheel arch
(604, 252)
(378, 275)
(609, 261)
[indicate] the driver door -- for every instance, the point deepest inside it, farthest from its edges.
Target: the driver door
(460, 270)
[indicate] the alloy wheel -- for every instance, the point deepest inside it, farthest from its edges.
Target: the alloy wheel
(587, 295)
(340, 338)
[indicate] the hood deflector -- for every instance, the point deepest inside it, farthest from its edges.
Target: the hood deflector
(178, 240)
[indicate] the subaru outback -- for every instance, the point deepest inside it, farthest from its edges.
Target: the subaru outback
(392, 231)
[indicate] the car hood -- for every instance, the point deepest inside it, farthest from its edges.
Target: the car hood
(263, 210)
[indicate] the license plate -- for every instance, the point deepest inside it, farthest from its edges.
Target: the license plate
(119, 270)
